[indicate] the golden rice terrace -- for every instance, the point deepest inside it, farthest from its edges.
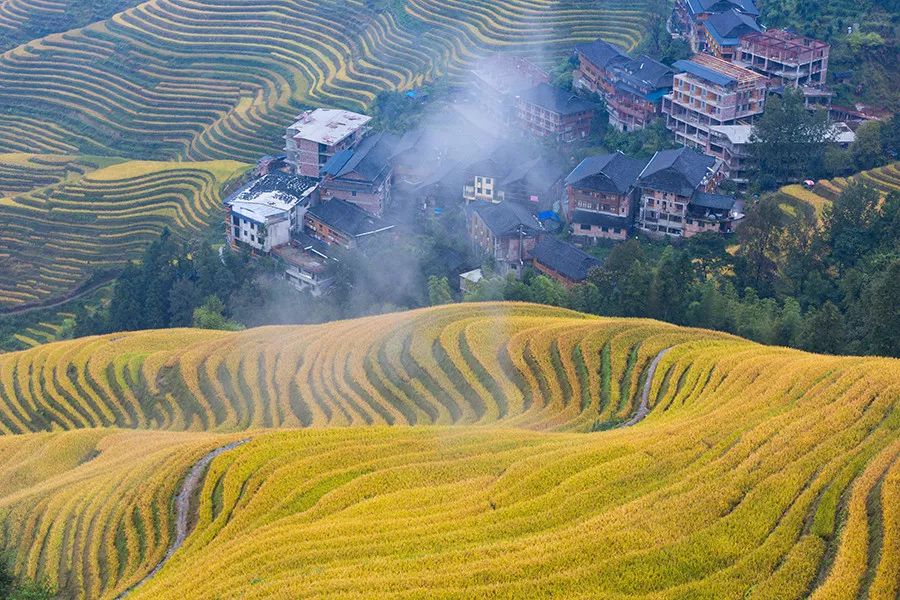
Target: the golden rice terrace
(494, 450)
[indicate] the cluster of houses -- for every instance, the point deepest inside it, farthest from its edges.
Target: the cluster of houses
(340, 184)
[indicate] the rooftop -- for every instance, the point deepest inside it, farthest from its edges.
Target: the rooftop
(565, 259)
(271, 195)
(589, 217)
(555, 100)
(680, 171)
(714, 6)
(717, 202)
(601, 53)
(509, 74)
(507, 218)
(717, 71)
(614, 173)
(781, 41)
(728, 27)
(347, 218)
(300, 257)
(327, 125)
(645, 72)
(370, 159)
(736, 134)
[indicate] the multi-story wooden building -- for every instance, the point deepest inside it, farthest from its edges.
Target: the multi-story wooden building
(549, 112)
(504, 232)
(342, 223)
(677, 199)
(362, 175)
(709, 92)
(632, 87)
(723, 32)
(319, 134)
(601, 194)
(689, 17)
(595, 63)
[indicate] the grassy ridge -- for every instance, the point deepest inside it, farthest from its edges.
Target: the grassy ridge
(71, 218)
(204, 79)
(759, 472)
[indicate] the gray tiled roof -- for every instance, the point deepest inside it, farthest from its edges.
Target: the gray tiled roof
(565, 259)
(507, 218)
(601, 53)
(613, 173)
(678, 171)
(555, 100)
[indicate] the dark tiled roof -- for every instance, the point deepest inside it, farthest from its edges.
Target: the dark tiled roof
(715, 6)
(728, 27)
(537, 174)
(713, 201)
(555, 100)
(587, 217)
(507, 218)
(370, 159)
(644, 72)
(601, 53)
(678, 171)
(565, 259)
(613, 173)
(345, 217)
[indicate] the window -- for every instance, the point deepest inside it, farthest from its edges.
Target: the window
(353, 194)
(585, 227)
(237, 232)
(253, 238)
(605, 229)
(235, 220)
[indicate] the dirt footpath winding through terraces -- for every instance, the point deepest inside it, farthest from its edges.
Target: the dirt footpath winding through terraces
(182, 509)
(644, 408)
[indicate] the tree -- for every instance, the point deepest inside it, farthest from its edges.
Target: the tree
(788, 142)
(439, 291)
(849, 223)
(823, 330)
(883, 315)
(867, 151)
(211, 316)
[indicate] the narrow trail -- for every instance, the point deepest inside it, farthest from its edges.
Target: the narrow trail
(182, 509)
(644, 408)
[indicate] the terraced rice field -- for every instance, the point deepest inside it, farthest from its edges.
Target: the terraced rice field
(76, 220)
(220, 79)
(884, 179)
(448, 453)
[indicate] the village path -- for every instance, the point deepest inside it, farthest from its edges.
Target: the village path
(644, 407)
(182, 510)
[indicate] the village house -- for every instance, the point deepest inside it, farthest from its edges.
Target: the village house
(306, 264)
(505, 174)
(319, 134)
(563, 262)
(341, 223)
(263, 214)
(362, 175)
(504, 232)
(632, 87)
(710, 92)
(549, 112)
(677, 199)
(502, 77)
(731, 145)
(601, 193)
(595, 63)
(723, 33)
(689, 17)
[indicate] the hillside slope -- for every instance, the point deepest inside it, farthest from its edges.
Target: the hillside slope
(220, 79)
(757, 472)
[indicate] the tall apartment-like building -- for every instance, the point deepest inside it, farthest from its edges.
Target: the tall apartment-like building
(710, 92)
(320, 134)
(788, 60)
